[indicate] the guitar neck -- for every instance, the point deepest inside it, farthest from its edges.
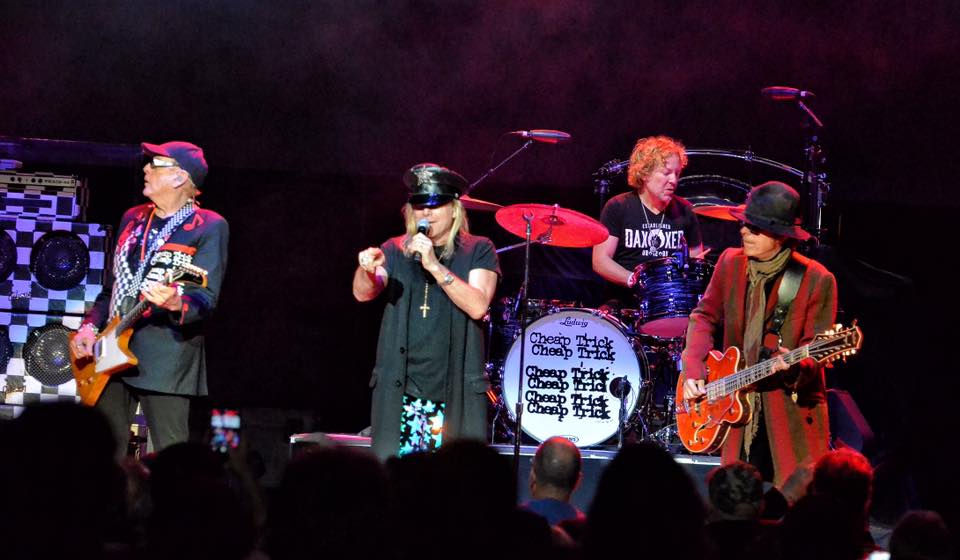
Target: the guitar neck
(130, 317)
(745, 377)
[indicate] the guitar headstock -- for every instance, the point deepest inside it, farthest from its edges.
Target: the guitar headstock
(186, 274)
(836, 343)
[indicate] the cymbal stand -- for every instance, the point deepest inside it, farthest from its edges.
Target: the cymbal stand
(528, 218)
(544, 238)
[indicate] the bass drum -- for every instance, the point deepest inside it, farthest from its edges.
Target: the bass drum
(570, 358)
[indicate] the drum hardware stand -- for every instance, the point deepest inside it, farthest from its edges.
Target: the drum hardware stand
(543, 239)
(602, 189)
(641, 416)
(539, 240)
(602, 180)
(528, 218)
(620, 388)
(814, 180)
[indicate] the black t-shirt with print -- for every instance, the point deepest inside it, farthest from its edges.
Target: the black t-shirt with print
(643, 235)
(428, 334)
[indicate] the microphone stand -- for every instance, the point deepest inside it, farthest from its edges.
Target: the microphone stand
(814, 180)
(493, 170)
(527, 217)
(621, 391)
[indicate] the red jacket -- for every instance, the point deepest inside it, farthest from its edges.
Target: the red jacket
(798, 432)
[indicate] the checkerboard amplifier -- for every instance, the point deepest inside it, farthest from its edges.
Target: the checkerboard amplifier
(50, 274)
(43, 196)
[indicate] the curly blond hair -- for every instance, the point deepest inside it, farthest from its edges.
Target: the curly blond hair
(649, 154)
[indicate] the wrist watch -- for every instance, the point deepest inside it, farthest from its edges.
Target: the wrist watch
(447, 279)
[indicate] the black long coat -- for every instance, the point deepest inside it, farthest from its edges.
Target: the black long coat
(466, 409)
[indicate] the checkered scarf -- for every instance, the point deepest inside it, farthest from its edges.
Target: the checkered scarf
(128, 283)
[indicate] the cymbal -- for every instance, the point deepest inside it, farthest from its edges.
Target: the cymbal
(552, 225)
(716, 211)
(477, 204)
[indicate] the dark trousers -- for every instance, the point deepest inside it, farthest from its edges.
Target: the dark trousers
(760, 455)
(167, 415)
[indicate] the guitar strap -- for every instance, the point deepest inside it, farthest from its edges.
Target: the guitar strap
(789, 286)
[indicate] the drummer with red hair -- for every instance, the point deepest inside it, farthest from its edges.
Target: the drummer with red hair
(649, 222)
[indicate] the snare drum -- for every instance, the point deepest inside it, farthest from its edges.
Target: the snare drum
(667, 292)
(570, 358)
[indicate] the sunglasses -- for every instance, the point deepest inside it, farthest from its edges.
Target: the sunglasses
(157, 161)
(750, 227)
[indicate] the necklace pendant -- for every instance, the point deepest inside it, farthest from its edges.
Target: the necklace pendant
(425, 307)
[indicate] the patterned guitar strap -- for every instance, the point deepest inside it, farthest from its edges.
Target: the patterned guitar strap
(128, 283)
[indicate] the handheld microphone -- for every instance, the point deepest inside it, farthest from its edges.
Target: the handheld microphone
(423, 226)
(782, 93)
(545, 136)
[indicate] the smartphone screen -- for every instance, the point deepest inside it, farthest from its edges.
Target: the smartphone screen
(224, 430)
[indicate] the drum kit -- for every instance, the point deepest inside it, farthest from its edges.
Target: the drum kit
(594, 376)
(601, 375)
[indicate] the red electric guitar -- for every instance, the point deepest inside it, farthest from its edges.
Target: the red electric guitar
(703, 423)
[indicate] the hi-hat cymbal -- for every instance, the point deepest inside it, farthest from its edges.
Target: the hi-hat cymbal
(477, 204)
(552, 225)
(716, 211)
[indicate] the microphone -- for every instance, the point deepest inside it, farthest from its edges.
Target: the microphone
(423, 226)
(620, 387)
(545, 136)
(782, 93)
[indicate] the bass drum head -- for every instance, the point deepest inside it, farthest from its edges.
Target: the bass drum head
(571, 356)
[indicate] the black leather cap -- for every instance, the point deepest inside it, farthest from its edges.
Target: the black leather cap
(433, 185)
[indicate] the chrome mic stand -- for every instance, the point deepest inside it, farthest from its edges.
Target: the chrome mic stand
(528, 218)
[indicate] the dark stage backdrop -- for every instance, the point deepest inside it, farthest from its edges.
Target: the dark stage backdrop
(309, 113)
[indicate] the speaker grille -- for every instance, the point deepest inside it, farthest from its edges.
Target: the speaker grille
(46, 355)
(59, 260)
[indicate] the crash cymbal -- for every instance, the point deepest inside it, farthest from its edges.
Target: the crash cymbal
(552, 225)
(477, 204)
(716, 211)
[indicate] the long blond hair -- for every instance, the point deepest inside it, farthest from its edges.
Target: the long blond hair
(459, 226)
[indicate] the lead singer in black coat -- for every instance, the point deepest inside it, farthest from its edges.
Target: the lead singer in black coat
(430, 349)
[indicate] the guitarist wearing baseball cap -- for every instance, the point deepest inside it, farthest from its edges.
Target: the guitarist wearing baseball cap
(145, 319)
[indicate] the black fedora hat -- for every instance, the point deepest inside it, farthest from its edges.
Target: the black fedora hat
(773, 207)
(433, 185)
